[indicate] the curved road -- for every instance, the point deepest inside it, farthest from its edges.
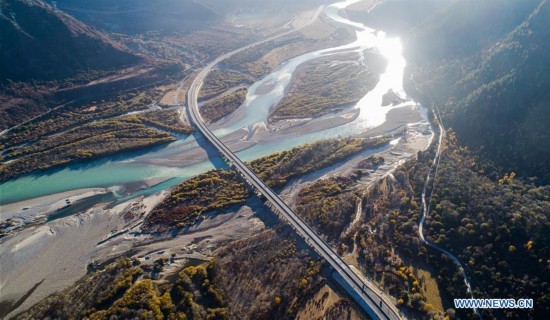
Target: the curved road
(368, 296)
(426, 207)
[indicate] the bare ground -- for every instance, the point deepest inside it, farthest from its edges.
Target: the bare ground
(55, 254)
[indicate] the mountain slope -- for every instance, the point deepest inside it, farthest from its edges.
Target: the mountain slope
(141, 16)
(489, 72)
(41, 43)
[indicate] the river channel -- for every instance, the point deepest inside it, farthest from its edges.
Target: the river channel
(112, 172)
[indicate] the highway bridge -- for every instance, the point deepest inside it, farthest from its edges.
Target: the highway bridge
(371, 299)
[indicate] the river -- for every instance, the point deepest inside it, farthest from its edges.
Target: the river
(34, 254)
(113, 172)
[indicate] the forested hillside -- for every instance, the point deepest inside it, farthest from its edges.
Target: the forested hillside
(488, 70)
(41, 43)
(486, 67)
(498, 229)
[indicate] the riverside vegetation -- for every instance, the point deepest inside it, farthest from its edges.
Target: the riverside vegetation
(217, 108)
(224, 89)
(59, 141)
(219, 81)
(222, 188)
(168, 120)
(86, 142)
(324, 86)
(69, 116)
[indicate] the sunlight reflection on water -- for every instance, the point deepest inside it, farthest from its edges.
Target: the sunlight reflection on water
(261, 97)
(259, 101)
